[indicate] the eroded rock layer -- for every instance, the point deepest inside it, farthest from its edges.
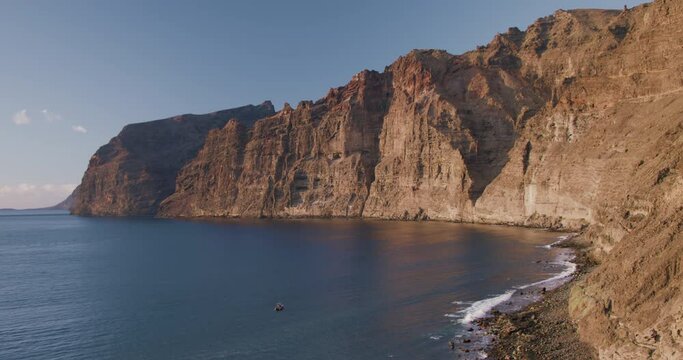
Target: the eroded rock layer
(575, 123)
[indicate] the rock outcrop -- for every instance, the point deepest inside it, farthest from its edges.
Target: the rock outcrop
(575, 123)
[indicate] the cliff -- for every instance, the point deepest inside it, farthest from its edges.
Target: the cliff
(574, 123)
(137, 169)
(315, 160)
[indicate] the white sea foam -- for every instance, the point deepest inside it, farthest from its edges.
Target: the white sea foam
(480, 308)
(569, 269)
(436, 337)
(559, 240)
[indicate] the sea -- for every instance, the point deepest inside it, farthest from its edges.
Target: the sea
(142, 288)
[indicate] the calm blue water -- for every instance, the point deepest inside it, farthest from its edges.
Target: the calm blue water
(100, 288)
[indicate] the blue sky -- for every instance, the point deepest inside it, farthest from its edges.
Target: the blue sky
(73, 72)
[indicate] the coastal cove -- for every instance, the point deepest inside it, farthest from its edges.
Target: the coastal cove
(572, 123)
(107, 288)
(342, 180)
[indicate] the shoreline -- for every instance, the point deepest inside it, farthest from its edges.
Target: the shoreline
(505, 326)
(543, 328)
(569, 229)
(478, 338)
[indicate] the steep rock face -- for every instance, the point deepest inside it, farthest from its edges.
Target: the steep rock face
(510, 133)
(446, 135)
(137, 169)
(315, 160)
(631, 306)
(606, 152)
(213, 184)
(569, 162)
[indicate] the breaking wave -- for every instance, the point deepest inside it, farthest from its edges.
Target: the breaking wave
(481, 308)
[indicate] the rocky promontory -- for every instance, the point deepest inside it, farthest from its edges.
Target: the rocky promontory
(137, 169)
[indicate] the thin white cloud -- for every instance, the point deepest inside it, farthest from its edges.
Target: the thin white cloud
(51, 116)
(79, 129)
(23, 196)
(21, 118)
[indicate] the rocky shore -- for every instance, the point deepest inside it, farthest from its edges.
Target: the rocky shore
(543, 329)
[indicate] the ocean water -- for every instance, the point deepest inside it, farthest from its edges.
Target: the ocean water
(135, 288)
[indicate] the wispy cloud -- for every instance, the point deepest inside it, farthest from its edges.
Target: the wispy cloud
(79, 129)
(33, 195)
(21, 118)
(51, 116)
